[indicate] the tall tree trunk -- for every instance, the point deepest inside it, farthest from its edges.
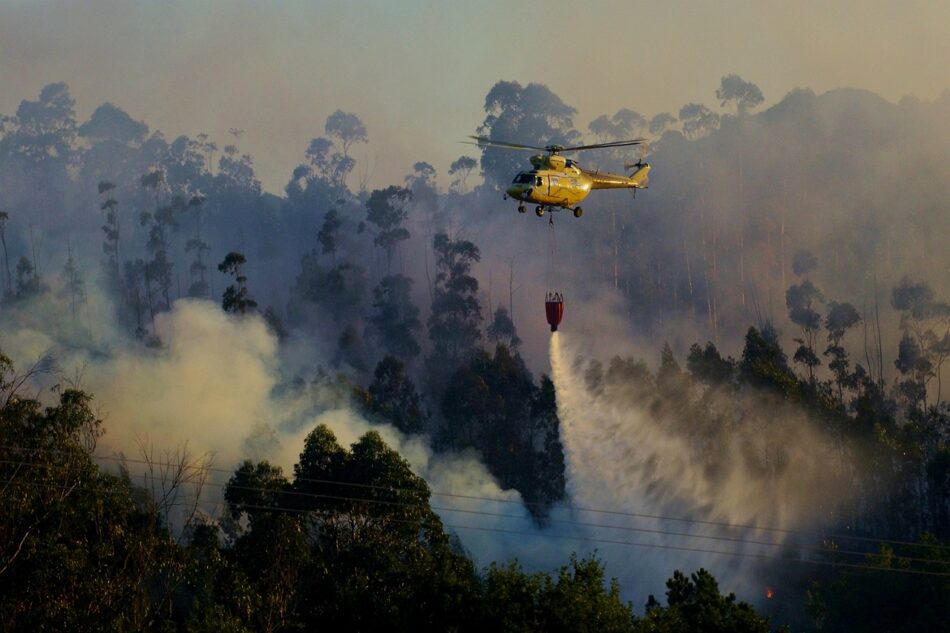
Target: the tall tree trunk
(6, 262)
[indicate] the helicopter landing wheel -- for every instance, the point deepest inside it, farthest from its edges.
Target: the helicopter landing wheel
(539, 211)
(578, 212)
(521, 208)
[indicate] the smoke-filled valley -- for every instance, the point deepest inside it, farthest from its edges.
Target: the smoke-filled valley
(337, 405)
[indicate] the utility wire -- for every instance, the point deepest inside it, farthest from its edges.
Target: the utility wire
(640, 515)
(585, 539)
(403, 504)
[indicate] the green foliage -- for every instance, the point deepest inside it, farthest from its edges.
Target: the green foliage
(660, 122)
(922, 349)
(338, 291)
(461, 168)
(744, 94)
(502, 329)
(575, 599)
(28, 282)
(623, 124)
(803, 262)
(531, 114)
(236, 299)
(395, 317)
(841, 317)
(379, 555)
(695, 603)
(800, 300)
(698, 120)
(44, 130)
(456, 315)
(78, 550)
(198, 269)
(74, 286)
(879, 600)
(387, 209)
(392, 397)
(329, 232)
(708, 366)
(492, 404)
(347, 128)
(109, 122)
(764, 363)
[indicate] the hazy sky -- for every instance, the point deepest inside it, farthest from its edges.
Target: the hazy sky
(417, 72)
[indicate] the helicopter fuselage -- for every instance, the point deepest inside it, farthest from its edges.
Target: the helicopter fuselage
(559, 182)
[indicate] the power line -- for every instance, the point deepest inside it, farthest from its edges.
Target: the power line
(572, 508)
(661, 546)
(535, 534)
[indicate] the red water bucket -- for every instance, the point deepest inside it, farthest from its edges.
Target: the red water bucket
(554, 309)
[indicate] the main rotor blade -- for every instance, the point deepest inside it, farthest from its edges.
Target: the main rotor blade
(578, 148)
(482, 140)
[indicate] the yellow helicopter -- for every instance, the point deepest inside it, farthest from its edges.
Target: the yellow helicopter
(556, 182)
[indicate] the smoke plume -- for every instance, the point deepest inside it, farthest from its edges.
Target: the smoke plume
(766, 482)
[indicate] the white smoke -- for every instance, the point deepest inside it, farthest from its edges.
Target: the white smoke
(212, 389)
(624, 458)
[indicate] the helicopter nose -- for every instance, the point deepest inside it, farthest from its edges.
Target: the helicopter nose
(514, 191)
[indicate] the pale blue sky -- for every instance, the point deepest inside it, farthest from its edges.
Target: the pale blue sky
(417, 72)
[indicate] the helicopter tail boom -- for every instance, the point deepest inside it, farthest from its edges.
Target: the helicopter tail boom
(639, 179)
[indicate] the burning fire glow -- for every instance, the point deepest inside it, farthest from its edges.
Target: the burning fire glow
(769, 593)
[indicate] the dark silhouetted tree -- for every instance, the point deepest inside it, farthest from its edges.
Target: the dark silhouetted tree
(455, 317)
(461, 168)
(801, 301)
(161, 223)
(492, 405)
(59, 540)
(236, 172)
(111, 230)
(338, 291)
(347, 129)
(698, 120)
(4, 218)
(197, 245)
(329, 234)
(765, 365)
(841, 317)
(393, 397)
(660, 122)
(318, 153)
(576, 598)
(695, 603)
(745, 95)
(137, 293)
(236, 299)
(708, 366)
(927, 322)
(386, 210)
(502, 329)
(28, 282)
(532, 115)
(395, 318)
(621, 125)
(74, 287)
(111, 123)
(803, 262)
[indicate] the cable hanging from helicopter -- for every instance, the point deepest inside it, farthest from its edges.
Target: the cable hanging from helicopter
(554, 300)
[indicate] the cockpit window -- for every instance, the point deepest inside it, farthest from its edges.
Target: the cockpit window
(522, 179)
(539, 182)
